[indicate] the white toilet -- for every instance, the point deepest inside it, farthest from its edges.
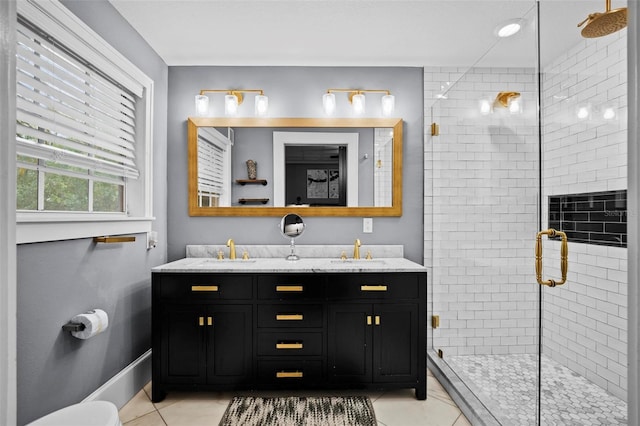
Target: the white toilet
(93, 413)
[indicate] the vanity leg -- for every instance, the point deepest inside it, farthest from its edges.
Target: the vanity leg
(421, 392)
(157, 394)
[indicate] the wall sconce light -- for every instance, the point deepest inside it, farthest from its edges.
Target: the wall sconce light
(515, 106)
(358, 100)
(583, 112)
(232, 99)
(485, 106)
(504, 98)
(202, 105)
(609, 112)
(510, 101)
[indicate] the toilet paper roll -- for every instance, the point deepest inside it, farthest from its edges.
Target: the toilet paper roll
(95, 322)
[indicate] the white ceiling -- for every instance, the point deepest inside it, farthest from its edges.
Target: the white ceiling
(352, 32)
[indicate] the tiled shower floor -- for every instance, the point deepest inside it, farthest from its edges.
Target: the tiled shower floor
(506, 384)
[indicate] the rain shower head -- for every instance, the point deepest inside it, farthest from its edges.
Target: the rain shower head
(604, 23)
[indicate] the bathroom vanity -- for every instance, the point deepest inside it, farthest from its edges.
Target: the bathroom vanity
(269, 323)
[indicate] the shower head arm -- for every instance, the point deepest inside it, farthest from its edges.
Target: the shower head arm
(589, 18)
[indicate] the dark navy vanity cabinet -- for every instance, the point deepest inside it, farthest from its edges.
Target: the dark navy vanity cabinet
(244, 331)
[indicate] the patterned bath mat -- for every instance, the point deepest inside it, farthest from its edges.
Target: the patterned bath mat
(300, 411)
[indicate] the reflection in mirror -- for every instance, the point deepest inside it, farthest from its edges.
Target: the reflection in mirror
(332, 167)
(291, 226)
(383, 167)
(315, 175)
(214, 168)
(321, 168)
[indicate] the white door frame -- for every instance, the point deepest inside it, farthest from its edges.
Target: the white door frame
(8, 380)
(633, 163)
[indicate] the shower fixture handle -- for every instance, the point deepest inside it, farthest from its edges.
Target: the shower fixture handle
(564, 255)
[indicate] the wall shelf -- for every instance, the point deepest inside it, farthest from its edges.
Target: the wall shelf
(253, 200)
(251, 181)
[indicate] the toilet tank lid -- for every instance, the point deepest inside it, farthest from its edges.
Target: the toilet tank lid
(92, 413)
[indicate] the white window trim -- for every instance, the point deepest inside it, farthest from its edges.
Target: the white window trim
(51, 226)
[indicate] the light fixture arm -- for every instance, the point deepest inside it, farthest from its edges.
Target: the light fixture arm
(236, 92)
(352, 92)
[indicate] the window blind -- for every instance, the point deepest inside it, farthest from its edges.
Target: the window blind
(69, 114)
(211, 162)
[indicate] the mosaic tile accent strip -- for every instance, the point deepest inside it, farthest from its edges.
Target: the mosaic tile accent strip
(592, 218)
(507, 385)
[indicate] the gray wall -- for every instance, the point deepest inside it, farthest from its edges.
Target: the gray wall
(60, 279)
(295, 92)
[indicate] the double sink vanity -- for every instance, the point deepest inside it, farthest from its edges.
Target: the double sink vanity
(325, 321)
(267, 317)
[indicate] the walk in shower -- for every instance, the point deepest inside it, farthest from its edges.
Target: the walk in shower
(520, 145)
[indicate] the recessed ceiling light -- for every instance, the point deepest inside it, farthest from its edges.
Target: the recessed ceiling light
(509, 28)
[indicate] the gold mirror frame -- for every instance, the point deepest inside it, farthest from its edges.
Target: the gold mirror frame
(193, 123)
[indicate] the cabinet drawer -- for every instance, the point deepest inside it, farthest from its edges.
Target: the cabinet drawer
(291, 286)
(290, 372)
(206, 286)
(289, 344)
(281, 315)
(373, 286)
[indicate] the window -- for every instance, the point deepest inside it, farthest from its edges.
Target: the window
(83, 138)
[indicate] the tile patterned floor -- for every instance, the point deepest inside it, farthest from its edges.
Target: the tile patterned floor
(394, 408)
(506, 384)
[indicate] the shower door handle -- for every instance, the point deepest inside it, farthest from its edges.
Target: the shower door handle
(564, 253)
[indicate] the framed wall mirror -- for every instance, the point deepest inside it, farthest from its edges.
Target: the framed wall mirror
(307, 166)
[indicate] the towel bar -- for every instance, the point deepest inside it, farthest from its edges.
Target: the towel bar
(113, 239)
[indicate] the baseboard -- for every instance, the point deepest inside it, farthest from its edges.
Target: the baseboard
(124, 385)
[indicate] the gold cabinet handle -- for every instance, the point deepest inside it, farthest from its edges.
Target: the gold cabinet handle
(290, 288)
(289, 317)
(289, 374)
(368, 319)
(283, 345)
(373, 288)
(564, 256)
(209, 321)
(201, 321)
(204, 288)
(377, 319)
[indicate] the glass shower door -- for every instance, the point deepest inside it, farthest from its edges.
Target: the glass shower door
(583, 194)
(483, 165)
(552, 156)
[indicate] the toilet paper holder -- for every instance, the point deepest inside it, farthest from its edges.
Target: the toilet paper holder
(73, 326)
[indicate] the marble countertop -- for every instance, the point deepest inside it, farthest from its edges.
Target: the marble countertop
(204, 264)
(305, 251)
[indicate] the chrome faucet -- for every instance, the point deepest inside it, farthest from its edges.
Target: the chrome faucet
(232, 248)
(356, 249)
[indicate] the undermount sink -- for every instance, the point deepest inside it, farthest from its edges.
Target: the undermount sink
(359, 261)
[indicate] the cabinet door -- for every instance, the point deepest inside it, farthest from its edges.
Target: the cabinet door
(229, 338)
(395, 343)
(182, 344)
(349, 346)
